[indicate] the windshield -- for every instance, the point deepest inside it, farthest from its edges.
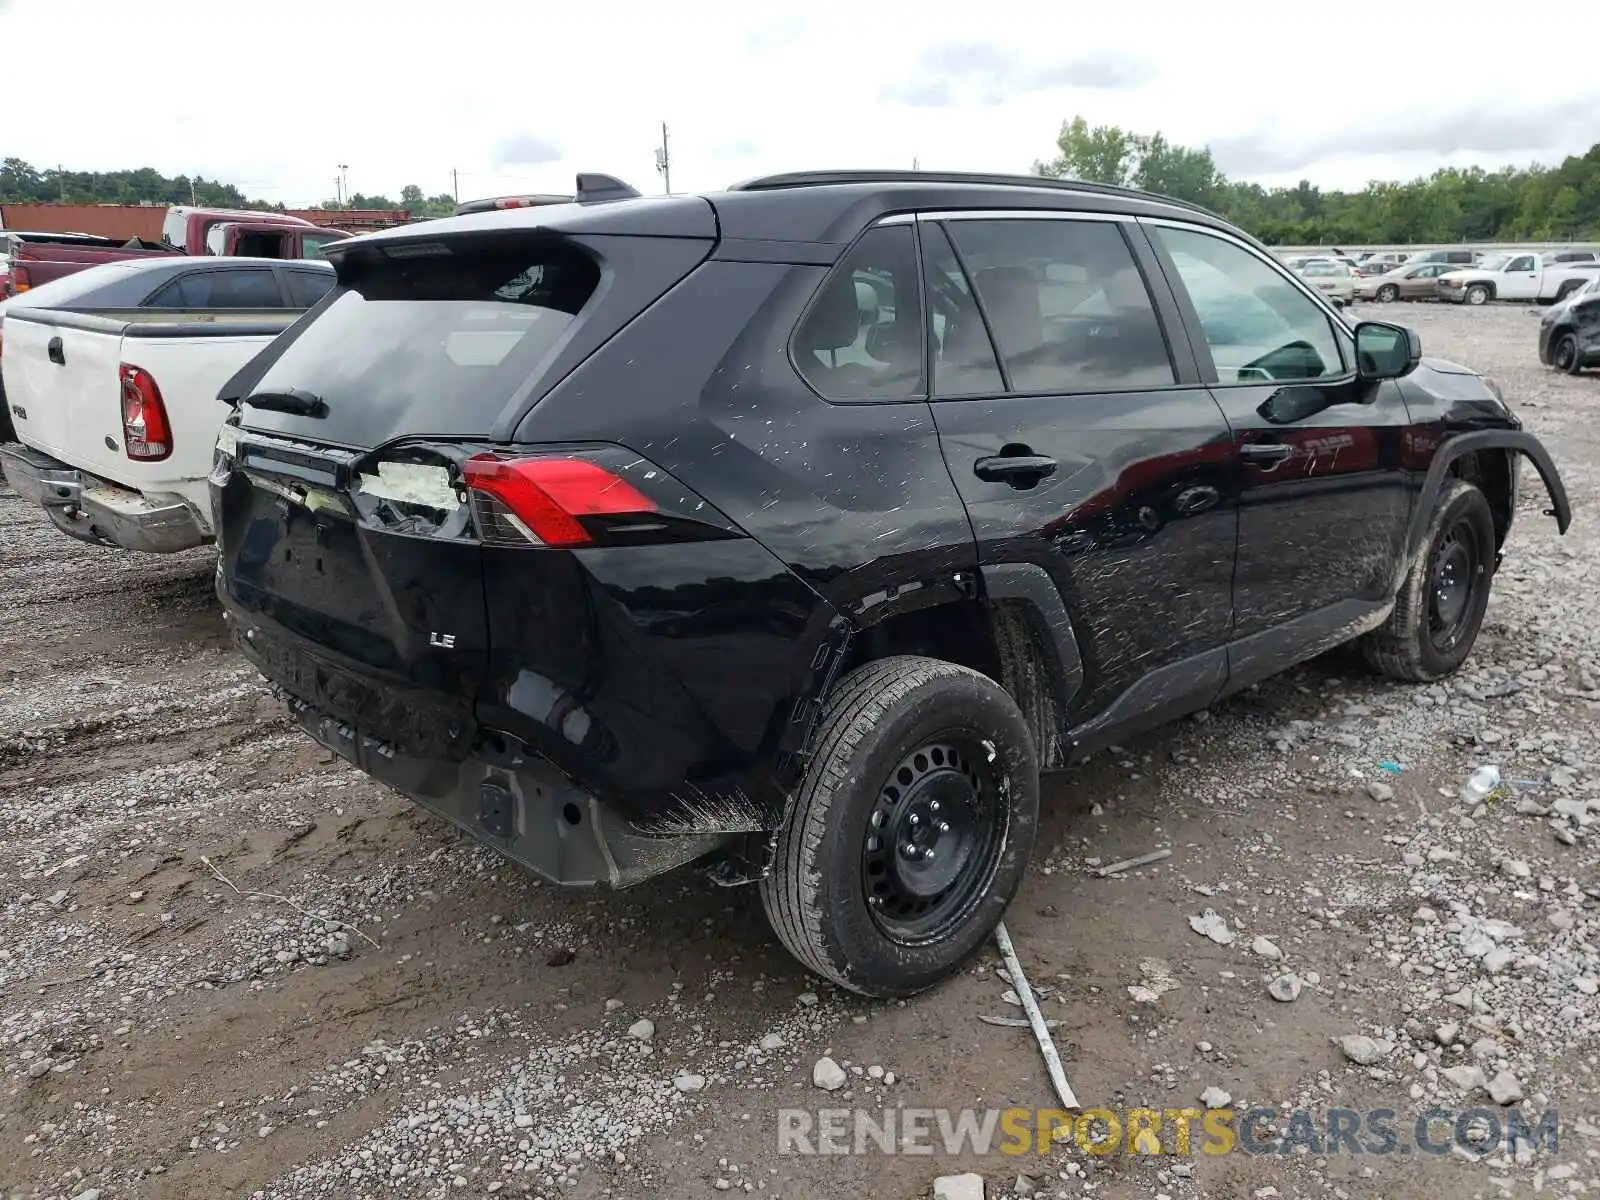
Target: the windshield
(438, 343)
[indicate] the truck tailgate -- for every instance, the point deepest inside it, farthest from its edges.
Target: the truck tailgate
(62, 371)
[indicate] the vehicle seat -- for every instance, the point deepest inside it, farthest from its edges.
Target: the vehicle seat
(834, 325)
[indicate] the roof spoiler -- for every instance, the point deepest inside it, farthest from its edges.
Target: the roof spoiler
(592, 189)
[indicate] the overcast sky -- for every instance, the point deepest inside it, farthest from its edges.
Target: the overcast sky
(518, 96)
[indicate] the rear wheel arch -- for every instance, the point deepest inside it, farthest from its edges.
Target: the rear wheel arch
(1018, 633)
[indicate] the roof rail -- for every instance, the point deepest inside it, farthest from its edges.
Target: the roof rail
(990, 179)
(592, 189)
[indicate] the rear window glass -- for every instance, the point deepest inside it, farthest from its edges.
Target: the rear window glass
(437, 342)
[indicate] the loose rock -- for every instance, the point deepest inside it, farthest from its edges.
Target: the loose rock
(1363, 1050)
(828, 1075)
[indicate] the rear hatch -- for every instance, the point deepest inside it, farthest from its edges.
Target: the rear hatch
(352, 547)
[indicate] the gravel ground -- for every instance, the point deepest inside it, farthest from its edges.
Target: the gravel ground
(230, 966)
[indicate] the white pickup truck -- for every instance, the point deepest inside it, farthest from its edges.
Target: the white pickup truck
(116, 415)
(1519, 275)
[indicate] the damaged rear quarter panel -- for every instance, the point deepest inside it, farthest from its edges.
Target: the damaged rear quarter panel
(705, 660)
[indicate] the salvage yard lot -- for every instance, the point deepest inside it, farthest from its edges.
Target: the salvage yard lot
(162, 1034)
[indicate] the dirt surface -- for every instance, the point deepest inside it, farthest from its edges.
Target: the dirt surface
(468, 1030)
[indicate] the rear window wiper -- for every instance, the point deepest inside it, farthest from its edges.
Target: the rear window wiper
(291, 400)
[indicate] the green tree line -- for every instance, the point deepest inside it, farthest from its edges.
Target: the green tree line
(1454, 204)
(23, 183)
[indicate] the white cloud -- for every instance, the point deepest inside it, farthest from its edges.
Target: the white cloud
(519, 97)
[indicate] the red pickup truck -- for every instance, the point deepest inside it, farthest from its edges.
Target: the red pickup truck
(40, 257)
(245, 232)
(33, 258)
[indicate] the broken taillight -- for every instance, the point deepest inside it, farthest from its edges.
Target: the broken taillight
(548, 501)
(146, 432)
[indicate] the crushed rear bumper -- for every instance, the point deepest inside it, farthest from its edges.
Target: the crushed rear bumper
(101, 513)
(486, 783)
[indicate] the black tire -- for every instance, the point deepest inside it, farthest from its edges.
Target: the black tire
(1388, 293)
(1441, 603)
(1478, 294)
(1564, 354)
(865, 770)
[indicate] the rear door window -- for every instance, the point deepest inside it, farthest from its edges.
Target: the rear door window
(861, 337)
(253, 287)
(438, 338)
(1066, 304)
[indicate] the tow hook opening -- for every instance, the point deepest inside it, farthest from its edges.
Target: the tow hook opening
(497, 810)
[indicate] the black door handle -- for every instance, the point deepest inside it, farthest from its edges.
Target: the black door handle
(56, 353)
(1019, 470)
(1265, 452)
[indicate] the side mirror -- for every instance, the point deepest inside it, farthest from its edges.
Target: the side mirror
(1385, 351)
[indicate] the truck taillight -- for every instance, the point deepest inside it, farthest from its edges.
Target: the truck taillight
(543, 501)
(20, 280)
(146, 432)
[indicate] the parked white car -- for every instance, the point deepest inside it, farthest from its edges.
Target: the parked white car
(116, 411)
(1519, 275)
(1332, 279)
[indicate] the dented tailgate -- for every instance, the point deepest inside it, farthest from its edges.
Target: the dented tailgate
(356, 590)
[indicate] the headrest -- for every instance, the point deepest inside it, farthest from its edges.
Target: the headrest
(1125, 289)
(835, 319)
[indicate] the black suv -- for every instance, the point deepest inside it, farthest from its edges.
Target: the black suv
(799, 527)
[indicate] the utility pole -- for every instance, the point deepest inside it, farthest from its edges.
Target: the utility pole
(61, 176)
(455, 183)
(344, 179)
(664, 161)
(192, 195)
(914, 164)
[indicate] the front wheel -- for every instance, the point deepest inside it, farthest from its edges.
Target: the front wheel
(1477, 294)
(911, 830)
(1440, 607)
(1388, 293)
(1564, 354)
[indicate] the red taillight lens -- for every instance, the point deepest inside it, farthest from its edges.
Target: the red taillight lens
(542, 500)
(146, 432)
(20, 281)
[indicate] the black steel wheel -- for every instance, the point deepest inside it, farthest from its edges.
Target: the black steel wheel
(911, 830)
(1441, 602)
(1564, 354)
(1453, 579)
(933, 841)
